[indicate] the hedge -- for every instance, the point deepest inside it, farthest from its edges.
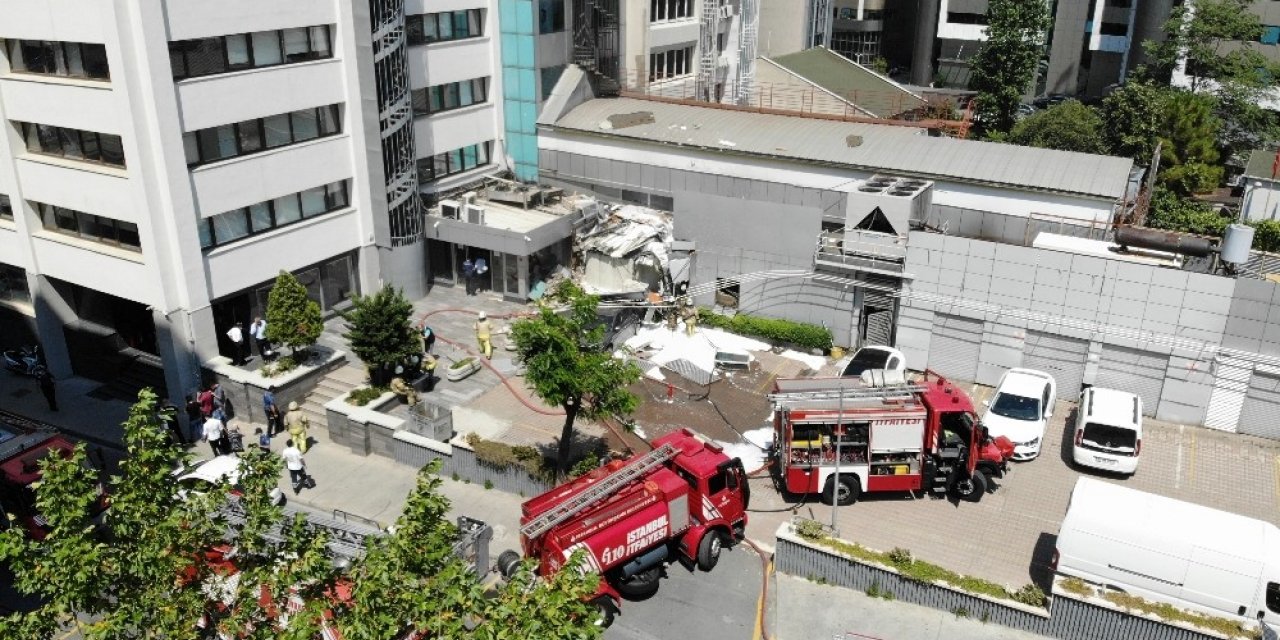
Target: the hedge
(809, 336)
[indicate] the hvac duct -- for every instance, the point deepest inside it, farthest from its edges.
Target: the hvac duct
(1173, 242)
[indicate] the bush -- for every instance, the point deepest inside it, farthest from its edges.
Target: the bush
(1172, 212)
(1224, 626)
(364, 395)
(810, 530)
(278, 368)
(585, 465)
(465, 362)
(504, 456)
(1030, 594)
(1266, 235)
(808, 336)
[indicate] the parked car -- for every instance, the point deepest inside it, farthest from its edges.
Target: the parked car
(874, 357)
(1108, 434)
(1020, 409)
(203, 475)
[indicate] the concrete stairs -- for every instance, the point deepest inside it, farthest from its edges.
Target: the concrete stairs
(339, 381)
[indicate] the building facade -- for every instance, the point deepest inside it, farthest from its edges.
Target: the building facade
(161, 162)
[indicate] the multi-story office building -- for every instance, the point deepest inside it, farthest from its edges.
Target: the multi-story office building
(162, 161)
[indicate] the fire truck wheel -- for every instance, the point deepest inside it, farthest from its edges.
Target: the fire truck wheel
(606, 611)
(508, 562)
(844, 495)
(971, 489)
(709, 550)
(641, 585)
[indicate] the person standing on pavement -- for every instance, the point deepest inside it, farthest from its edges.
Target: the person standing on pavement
(296, 465)
(484, 335)
(220, 400)
(205, 398)
(258, 331)
(48, 388)
(428, 337)
(429, 367)
(271, 411)
(195, 417)
(297, 423)
(469, 274)
(236, 335)
(215, 434)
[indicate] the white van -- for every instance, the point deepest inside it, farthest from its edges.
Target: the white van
(1108, 430)
(1166, 550)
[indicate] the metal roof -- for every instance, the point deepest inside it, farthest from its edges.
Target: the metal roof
(859, 85)
(874, 148)
(1260, 164)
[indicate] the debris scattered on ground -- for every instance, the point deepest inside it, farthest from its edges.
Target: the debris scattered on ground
(813, 362)
(752, 452)
(661, 346)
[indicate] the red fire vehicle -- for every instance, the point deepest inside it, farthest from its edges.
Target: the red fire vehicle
(904, 437)
(20, 456)
(684, 499)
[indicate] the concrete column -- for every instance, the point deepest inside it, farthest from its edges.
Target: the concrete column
(926, 33)
(1068, 41)
(53, 312)
(176, 343)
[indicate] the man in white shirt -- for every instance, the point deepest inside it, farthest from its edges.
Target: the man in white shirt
(237, 344)
(214, 434)
(259, 332)
(295, 464)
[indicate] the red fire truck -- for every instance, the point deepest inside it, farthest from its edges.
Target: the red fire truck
(841, 437)
(685, 499)
(20, 456)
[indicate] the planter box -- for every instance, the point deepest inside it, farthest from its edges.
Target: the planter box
(244, 389)
(457, 373)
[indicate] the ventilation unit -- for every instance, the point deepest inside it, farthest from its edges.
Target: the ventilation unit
(475, 214)
(450, 209)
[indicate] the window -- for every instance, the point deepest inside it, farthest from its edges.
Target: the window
(257, 218)
(454, 161)
(550, 16)
(1113, 29)
(550, 76)
(6, 208)
(671, 63)
(13, 284)
(1270, 35)
(89, 227)
(244, 138)
(456, 25)
(220, 54)
(955, 17)
(454, 95)
(67, 59)
(89, 146)
(663, 10)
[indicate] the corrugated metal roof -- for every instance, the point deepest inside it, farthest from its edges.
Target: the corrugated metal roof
(851, 81)
(1260, 163)
(883, 149)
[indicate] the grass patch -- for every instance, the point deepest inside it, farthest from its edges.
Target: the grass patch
(465, 362)
(364, 395)
(1226, 627)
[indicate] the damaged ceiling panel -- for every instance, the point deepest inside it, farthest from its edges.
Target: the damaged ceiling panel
(626, 251)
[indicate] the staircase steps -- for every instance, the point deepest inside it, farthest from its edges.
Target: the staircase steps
(335, 383)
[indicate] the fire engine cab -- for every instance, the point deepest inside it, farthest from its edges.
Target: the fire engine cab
(841, 437)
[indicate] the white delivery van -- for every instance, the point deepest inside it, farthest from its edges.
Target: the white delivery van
(1167, 550)
(1108, 430)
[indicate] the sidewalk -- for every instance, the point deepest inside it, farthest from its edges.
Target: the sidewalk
(809, 611)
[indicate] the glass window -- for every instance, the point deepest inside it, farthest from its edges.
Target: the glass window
(75, 64)
(335, 282)
(260, 216)
(65, 219)
(191, 146)
(177, 61)
(414, 30)
(95, 60)
(49, 140)
(296, 45)
(435, 98)
(305, 126)
(89, 145)
(229, 226)
(209, 148)
(250, 134)
(266, 48)
(226, 140)
(206, 236)
(238, 52)
(430, 28)
(461, 28)
(112, 149)
(483, 152)
(419, 101)
(286, 209)
(320, 41)
(128, 234)
(37, 56)
(451, 96)
(336, 195)
(102, 228)
(205, 57)
(313, 202)
(469, 157)
(473, 22)
(465, 97)
(330, 120)
(277, 130)
(70, 141)
(446, 26)
(6, 207)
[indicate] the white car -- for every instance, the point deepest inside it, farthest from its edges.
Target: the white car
(868, 358)
(203, 475)
(1020, 409)
(1108, 434)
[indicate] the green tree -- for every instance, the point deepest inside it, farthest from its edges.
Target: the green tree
(1188, 138)
(564, 363)
(1133, 114)
(1174, 212)
(1006, 62)
(379, 331)
(293, 319)
(1067, 126)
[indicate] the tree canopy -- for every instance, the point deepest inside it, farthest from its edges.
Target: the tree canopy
(379, 331)
(1133, 115)
(162, 566)
(1006, 62)
(560, 349)
(1188, 138)
(293, 319)
(1067, 126)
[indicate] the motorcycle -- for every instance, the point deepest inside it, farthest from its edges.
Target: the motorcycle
(26, 361)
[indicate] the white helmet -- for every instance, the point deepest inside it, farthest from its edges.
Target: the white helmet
(481, 315)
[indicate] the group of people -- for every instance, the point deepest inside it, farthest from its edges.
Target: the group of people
(240, 341)
(427, 359)
(210, 413)
(472, 272)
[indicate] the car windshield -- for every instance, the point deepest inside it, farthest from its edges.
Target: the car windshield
(866, 359)
(1016, 407)
(1108, 437)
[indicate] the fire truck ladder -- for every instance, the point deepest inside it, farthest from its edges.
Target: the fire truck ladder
(599, 491)
(892, 392)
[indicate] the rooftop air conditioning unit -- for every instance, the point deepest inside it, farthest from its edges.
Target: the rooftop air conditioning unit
(451, 209)
(475, 214)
